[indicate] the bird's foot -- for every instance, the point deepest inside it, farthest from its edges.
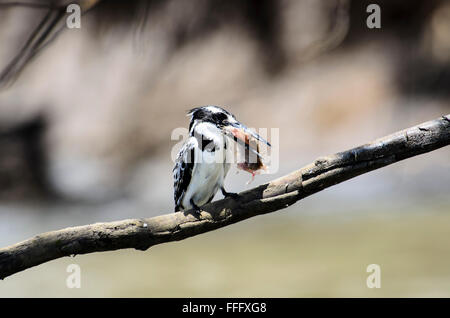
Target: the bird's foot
(196, 208)
(229, 194)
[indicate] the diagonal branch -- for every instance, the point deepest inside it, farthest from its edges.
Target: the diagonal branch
(48, 29)
(278, 194)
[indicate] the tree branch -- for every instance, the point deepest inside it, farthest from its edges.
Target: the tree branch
(278, 194)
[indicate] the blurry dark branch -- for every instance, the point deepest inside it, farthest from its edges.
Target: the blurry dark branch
(50, 26)
(141, 234)
(32, 46)
(34, 5)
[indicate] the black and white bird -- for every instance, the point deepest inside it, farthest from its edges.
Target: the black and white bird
(203, 161)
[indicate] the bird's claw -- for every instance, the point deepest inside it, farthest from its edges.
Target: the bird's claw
(197, 211)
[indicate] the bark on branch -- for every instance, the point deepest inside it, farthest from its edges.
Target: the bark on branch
(275, 195)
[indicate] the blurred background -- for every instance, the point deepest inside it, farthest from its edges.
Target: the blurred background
(85, 136)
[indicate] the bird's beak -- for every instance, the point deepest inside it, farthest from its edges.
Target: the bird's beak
(240, 133)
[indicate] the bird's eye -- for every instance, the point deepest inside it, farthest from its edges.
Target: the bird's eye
(220, 117)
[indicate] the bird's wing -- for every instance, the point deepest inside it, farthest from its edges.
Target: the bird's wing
(183, 170)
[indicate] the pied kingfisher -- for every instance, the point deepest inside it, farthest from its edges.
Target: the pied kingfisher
(203, 161)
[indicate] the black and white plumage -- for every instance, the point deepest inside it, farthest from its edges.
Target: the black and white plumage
(203, 161)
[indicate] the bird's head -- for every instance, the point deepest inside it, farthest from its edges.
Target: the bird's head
(225, 122)
(215, 115)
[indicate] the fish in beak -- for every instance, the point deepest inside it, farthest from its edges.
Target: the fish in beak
(240, 130)
(243, 136)
(247, 139)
